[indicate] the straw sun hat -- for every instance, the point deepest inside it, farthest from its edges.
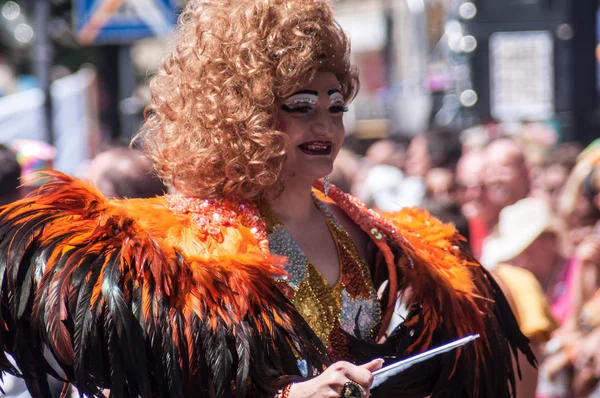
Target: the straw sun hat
(518, 226)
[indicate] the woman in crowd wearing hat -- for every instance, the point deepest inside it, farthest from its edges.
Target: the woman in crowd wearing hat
(257, 277)
(523, 254)
(574, 344)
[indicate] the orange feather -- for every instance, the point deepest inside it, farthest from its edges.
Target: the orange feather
(148, 281)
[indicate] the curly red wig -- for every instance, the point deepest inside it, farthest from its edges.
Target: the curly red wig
(211, 127)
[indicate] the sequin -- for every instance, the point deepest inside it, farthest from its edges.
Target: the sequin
(361, 312)
(281, 242)
(351, 305)
(225, 213)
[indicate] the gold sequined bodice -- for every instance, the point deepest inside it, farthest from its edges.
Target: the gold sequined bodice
(350, 305)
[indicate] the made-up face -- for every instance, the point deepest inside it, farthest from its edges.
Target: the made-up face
(313, 119)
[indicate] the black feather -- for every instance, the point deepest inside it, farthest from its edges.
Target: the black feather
(117, 372)
(128, 332)
(243, 338)
(154, 337)
(170, 353)
(84, 323)
(62, 243)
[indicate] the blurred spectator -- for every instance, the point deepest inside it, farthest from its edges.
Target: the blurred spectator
(474, 138)
(418, 161)
(505, 181)
(524, 259)
(576, 206)
(549, 179)
(537, 140)
(380, 182)
(591, 187)
(572, 364)
(526, 237)
(435, 148)
(469, 170)
(125, 173)
(586, 353)
(583, 279)
(586, 274)
(579, 206)
(440, 186)
(388, 152)
(529, 304)
(506, 175)
(10, 172)
(381, 188)
(572, 347)
(33, 156)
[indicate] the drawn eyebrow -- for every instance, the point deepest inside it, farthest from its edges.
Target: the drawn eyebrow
(331, 92)
(311, 92)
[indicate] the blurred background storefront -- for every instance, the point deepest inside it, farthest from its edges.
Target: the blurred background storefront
(461, 63)
(424, 64)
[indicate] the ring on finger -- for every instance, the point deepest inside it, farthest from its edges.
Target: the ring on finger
(352, 389)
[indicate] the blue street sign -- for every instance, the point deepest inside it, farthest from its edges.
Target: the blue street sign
(122, 21)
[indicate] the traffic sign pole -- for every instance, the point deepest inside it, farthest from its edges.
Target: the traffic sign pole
(126, 87)
(42, 61)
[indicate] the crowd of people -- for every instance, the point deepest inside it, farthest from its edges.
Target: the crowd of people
(530, 213)
(533, 221)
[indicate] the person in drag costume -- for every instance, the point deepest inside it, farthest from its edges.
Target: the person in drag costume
(256, 278)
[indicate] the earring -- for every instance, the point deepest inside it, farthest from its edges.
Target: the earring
(326, 185)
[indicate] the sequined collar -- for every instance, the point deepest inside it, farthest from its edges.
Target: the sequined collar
(276, 230)
(211, 215)
(271, 219)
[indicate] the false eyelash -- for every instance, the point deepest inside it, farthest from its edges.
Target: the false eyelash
(339, 108)
(300, 109)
